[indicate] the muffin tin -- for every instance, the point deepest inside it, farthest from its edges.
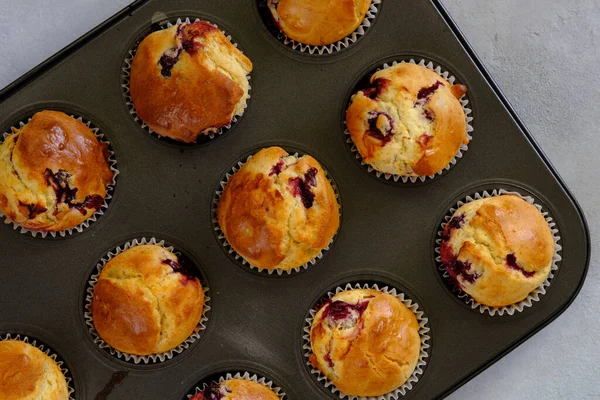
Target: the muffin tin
(165, 190)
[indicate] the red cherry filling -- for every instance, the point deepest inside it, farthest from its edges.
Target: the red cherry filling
(428, 114)
(426, 92)
(342, 314)
(511, 262)
(301, 187)
(424, 139)
(34, 209)
(168, 61)
(381, 126)
(455, 223)
(459, 269)
(213, 392)
(277, 168)
(377, 87)
(180, 268)
(59, 181)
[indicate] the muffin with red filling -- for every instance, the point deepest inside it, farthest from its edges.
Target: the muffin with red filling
(498, 249)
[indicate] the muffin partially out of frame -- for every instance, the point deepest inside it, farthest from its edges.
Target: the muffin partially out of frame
(365, 341)
(188, 80)
(498, 249)
(278, 211)
(236, 389)
(146, 301)
(53, 173)
(409, 122)
(26, 373)
(318, 22)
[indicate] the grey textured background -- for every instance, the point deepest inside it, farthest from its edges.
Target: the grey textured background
(544, 54)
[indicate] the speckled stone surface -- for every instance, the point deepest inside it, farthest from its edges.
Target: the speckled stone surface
(544, 54)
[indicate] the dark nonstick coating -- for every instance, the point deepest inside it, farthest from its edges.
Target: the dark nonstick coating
(165, 190)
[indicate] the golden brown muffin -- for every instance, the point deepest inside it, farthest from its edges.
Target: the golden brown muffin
(366, 342)
(53, 173)
(498, 249)
(146, 302)
(236, 389)
(188, 80)
(278, 211)
(318, 22)
(26, 373)
(409, 122)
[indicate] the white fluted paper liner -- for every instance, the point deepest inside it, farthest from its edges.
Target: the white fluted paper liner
(47, 351)
(125, 77)
(534, 296)
(238, 257)
(112, 163)
(423, 334)
(464, 101)
(239, 375)
(340, 44)
(136, 359)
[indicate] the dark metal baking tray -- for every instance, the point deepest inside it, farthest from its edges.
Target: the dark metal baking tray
(165, 190)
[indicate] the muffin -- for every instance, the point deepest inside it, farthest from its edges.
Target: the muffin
(366, 342)
(26, 373)
(146, 301)
(278, 211)
(318, 22)
(188, 80)
(236, 389)
(409, 122)
(53, 173)
(497, 249)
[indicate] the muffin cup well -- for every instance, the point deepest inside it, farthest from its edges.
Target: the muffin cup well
(534, 296)
(464, 101)
(240, 375)
(112, 163)
(239, 259)
(318, 50)
(423, 334)
(125, 78)
(50, 353)
(133, 358)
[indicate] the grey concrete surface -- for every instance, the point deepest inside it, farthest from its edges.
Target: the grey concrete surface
(544, 54)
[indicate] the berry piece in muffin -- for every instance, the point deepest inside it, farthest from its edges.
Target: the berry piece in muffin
(366, 342)
(409, 122)
(236, 389)
(146, 301)
(318, 22)
(27, 373)
(188, 80)
(278, 211)
(497, 249)
(53, 173)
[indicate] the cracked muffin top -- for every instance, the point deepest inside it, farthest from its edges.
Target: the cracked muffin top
(278, 211)
(498, 249)
(146, 301)
(53, 173)
(26, 373)
(409, 122)
(366, 342)
(236, 389)
(188, 80)
(318, 22)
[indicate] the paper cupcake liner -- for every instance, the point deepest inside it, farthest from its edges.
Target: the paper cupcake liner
(534, 296)
(464, 101)
(112, 163)
(240, 259)
(47, 351)
(240, 375)
(125, 78)
(423, 333)
(133, 358)
(334, 47)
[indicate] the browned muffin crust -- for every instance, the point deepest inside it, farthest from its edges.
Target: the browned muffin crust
(279, 211)
(53, 173)
(236, 389)
(188, 80)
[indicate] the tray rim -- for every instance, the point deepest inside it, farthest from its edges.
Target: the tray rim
(53, 60)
